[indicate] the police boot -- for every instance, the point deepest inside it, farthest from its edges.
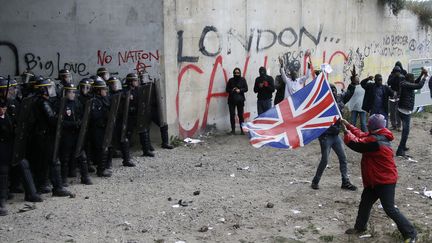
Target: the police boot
(126, 154)
(64, 171)
(108, 161)
(3, 194)
(101, 167)
(29, 186)
(165, 138)
(56, 179)
(14, 179)
(72, 173)
(42, 181)
(145, 144)
(85, 178)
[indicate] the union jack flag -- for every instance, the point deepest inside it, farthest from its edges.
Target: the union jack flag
(297, 120)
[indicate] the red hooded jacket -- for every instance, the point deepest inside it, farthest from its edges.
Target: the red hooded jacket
(377, 165)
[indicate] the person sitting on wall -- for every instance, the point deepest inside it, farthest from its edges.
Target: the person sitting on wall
(264, 87)
(236, 88)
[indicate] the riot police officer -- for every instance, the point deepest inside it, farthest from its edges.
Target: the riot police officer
(86, 96)
(6, 143)
(16, 124)
(156, 117)
(103, 73)
(117, 142)
(45, 131)
(97, 126)
(72, 116)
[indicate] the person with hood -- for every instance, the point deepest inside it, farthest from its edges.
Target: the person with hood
(292, 82)
(379, 174)
(393, 82)
(330, 140)
(264, 87)
(236, 88)
(376, 96)
(406, 105)
(280, 89)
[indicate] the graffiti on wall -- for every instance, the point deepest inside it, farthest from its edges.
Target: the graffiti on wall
(13, 62)
(292, 43)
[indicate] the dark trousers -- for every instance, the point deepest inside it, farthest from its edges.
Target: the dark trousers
(395, 119)
(264, 105)
(240, 111)
(327, 143)
(406, 120)
(386, 194)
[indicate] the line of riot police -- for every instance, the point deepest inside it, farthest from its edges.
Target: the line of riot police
(49, 129)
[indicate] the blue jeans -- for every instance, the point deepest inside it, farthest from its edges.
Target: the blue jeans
(264, 105)
(362, 115)
(406, 120)
(386, 194)
(327, 143)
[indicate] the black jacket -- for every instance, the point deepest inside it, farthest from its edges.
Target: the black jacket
(394, 82)
(265, 92)
(280, 90)
(341, 100)
(369, 98)
(407, 96)
(72, 116)
(45, 116)
(234, 97)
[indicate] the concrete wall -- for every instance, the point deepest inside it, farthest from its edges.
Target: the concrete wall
(205, 40)
(81, 35)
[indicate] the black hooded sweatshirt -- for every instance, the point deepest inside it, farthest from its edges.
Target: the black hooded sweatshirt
(236, 82)
(266, 91)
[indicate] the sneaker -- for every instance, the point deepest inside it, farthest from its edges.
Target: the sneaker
(348, 186)
(232, 133)
(354, 231)
(167, 146)
(314, 186)
(406, 149)
(411, 240)
(3, 211)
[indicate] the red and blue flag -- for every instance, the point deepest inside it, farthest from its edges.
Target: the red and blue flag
(297, 120)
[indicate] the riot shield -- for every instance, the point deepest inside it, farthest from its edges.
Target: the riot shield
(144, 109)
(112, 115)
(23, 123)
(83, 128)
(160, 98)
(59, 126)
(124, 121)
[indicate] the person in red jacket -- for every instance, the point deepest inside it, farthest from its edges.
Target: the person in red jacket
(379, 173)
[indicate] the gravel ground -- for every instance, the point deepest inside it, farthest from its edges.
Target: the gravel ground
(245, 195)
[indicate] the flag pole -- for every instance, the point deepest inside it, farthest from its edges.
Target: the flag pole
(328, 85)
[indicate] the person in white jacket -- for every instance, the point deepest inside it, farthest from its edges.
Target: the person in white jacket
(355, 103)
(292, 82)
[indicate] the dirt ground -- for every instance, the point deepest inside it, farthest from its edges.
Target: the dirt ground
(136, 204)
